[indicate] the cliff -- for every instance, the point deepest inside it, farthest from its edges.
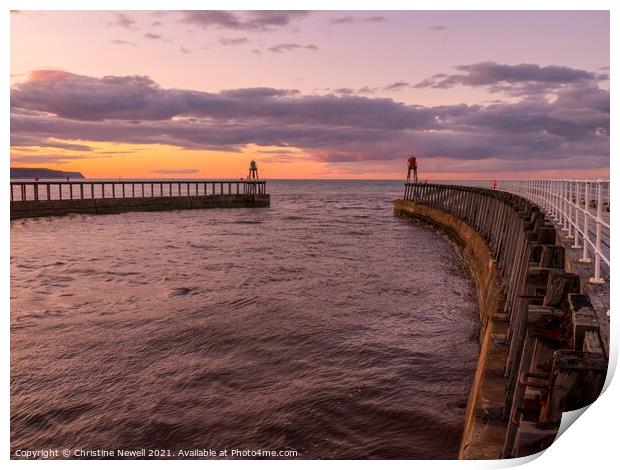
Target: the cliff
(44, 173)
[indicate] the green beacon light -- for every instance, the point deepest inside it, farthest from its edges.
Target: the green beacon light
(253, 175)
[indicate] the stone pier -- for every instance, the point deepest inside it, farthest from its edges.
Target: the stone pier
(39, 199)
(542, 348)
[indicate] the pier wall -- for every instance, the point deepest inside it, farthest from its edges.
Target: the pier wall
(540, 347)
(28, 208)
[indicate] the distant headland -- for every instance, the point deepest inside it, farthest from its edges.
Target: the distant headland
(44, 173)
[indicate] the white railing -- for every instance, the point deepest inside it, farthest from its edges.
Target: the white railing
(579, 208)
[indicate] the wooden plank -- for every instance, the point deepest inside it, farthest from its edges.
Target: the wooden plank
(583, 318)
(559, 285)
(552, 256)
(577, 379)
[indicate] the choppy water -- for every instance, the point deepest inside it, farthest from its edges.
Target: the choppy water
(322, 324)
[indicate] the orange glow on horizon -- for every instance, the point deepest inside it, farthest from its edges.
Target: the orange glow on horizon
(119, 160)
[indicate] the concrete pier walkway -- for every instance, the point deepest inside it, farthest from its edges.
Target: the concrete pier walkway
(543, 347)
(48, 198)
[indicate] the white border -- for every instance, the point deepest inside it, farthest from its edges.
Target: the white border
(591, 443)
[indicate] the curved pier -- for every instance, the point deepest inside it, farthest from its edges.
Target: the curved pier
(543, 347)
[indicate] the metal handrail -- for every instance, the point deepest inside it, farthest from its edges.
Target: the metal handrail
(52, 190)
(568, 203)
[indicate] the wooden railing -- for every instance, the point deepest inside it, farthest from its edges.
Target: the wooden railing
(54, 190)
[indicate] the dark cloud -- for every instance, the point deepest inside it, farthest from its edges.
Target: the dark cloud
(233, 41)
(291, 46)
(344, 20)
(249, 21)
(184, 50)
(124, 21)
(367, 90)
(336, 128)
(270, 152)
(138, 98)
(438, 27)
(280, 155)
(519, 79)
(30, 141)
(154, 36)
(122, 42)
(426, 83)
(258, 93)
(397, 86)
(59, 159)
(338, 157)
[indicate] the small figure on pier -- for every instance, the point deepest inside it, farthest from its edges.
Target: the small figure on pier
(253, 175)
(412, 167)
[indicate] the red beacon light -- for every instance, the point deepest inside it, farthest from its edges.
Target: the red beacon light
(412, 170)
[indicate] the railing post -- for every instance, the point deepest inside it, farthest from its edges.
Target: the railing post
(564, 218)
(567, 206)
(576, 219)
(549, 197)
(554, 201)
(597, 256)
(558, 201)
(570, 209)
(586, 216)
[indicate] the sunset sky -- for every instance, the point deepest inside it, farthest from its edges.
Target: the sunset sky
(325, 94)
